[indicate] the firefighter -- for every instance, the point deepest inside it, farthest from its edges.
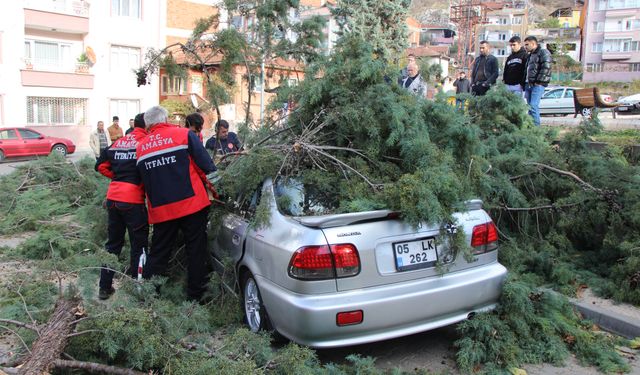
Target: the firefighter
(172, 161)
(124, 203)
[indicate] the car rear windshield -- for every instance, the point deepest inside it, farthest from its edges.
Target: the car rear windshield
(295, 198)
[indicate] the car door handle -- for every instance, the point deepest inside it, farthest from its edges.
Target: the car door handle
(236, 239)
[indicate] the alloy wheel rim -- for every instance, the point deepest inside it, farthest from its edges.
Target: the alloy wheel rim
(252, 305)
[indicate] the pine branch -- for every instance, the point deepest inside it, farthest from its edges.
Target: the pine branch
(538, 208)
(20, 324)
(566, 173)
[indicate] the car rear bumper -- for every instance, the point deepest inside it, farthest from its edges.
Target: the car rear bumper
(388, 311)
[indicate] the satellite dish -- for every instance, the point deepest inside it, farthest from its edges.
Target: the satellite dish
(90, 55)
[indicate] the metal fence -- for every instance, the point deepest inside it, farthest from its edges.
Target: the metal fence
(56, 111)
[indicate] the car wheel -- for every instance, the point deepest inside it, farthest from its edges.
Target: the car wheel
(1, 155)
(255, 314)
(62, 149)
(586, 112)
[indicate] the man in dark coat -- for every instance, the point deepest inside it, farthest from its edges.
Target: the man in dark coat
(538, 75)
(515, 67)
(485, 70)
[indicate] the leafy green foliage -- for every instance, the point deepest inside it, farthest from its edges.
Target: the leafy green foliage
(532, 326)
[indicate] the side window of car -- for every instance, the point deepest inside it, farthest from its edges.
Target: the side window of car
(568, 93)
(8, 134)
(553, 94)
(28, 134)
(246, 204)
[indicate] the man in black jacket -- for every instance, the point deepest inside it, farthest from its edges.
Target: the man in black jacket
(462, 86)
(515, 67)
(538, 75)
(485, 70)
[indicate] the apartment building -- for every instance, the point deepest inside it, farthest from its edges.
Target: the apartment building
(504, 20)
(67, 64)
(611, 30)
(180, 17)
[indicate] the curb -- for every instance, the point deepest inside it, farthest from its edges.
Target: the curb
(608, 320)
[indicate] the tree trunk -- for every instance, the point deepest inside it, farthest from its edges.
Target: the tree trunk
(96, 368)
(53, 338)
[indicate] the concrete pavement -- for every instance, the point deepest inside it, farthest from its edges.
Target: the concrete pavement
(619, 123)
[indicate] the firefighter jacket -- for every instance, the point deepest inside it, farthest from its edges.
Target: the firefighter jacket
(171, 161)
(118, 162)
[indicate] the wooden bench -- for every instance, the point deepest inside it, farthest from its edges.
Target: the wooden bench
(586, 100)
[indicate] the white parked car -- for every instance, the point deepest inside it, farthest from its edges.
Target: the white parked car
(557, 101)
(629, 104)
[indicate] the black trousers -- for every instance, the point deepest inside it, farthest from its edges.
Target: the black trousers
(479, 89)
(123, 217)
(163, 241)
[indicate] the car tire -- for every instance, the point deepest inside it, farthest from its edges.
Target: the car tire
(62, 149)
(255, 314)
(586, 112)
(1, 155)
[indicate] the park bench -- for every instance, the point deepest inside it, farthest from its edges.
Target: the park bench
(586, 100)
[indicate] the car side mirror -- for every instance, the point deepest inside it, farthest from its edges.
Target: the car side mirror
(41, 137)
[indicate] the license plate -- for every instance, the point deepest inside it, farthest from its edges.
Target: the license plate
(623, 108)
(416, 254)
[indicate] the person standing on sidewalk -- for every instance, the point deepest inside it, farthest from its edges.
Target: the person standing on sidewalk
(98, 140)
(485, 70)
(115, 131)
(515, 67)
(171, 161)
(538, 75)
(125, 202)
(463, 86)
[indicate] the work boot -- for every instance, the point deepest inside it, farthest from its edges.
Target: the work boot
(105, 293)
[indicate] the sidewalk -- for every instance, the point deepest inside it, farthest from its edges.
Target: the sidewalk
(619, 123)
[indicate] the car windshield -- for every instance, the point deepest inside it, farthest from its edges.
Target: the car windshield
(295, 198)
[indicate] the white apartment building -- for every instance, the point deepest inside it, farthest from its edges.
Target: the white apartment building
(66, 64)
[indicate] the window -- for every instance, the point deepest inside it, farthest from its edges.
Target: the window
(256, 82)
(623, 4)
(173, 85)
(596, 47)
(568, 93)
(502, 36)
(125, 8)
(196, 85)
(635, 67)
(553, 94)
(517, 20)
(124, 108)
(602, 5)
(617, 45)
(595, 68)
(124, 59)
(501, 52)
(598, 26)
(635, 46)
(48, 53)
(56, 111)
(503, 21)
(28, 134)
(632, 25)
(8, 134)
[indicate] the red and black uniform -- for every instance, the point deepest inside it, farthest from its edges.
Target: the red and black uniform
(125, 201)
(171, 160)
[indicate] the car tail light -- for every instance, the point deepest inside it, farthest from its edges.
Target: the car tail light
(324, 262)
(484, 238)
(348, 318)
(346, 260)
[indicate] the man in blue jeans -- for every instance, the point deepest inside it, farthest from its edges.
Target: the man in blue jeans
(538, 75)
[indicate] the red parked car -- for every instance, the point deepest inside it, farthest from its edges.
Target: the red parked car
(28, 142)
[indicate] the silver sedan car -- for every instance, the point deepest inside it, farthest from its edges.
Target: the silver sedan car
(344, 279)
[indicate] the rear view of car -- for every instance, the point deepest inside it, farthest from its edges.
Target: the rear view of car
(629, 105)
(328, 280)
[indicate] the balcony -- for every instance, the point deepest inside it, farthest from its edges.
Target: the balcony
(49, 74)
(607, 55)
(70, 16)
